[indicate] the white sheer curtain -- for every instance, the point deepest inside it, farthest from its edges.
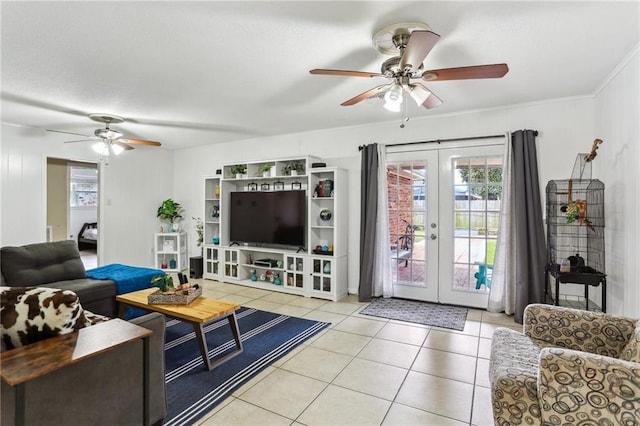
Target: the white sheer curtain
(382, 284)
(502, 294)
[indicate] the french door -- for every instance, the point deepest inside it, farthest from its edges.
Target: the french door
(443, 219)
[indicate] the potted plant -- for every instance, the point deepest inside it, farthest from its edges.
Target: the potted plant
(239, 170)
(170, 211)
(293, 168)
(199, 230)
(164, 282)
(267, 170)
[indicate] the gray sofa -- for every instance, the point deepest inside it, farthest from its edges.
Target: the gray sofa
(57, 265)
(105, 389)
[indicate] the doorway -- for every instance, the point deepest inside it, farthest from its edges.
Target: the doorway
(72, 205)
(444, 209)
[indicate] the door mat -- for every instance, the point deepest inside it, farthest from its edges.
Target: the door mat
(445, 316)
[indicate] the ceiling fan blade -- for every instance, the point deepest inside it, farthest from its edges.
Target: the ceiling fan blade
(66, 133)
(464, 73)
(139, 142)
(345, 73)
(82, 140)
(365, 95)
(125, 146)
(419, 45)
(432, 101)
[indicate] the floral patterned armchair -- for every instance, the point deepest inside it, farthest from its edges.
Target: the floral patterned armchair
(568, 367)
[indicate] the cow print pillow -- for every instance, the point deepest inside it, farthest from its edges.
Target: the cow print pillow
(31, 314)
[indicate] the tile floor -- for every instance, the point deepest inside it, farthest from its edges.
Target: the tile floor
(364, 370)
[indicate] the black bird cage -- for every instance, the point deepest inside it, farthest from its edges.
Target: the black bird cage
(575, 233)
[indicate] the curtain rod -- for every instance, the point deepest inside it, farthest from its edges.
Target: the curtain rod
(535, 133)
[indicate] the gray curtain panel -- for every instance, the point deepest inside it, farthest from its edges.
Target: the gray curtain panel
(529, 226)
(368, 218)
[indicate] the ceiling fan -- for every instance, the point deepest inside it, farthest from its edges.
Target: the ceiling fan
(108, 140)
(413, 41)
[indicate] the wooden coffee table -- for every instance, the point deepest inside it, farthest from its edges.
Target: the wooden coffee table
(197, 313)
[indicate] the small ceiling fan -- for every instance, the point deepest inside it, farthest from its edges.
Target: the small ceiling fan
(413, 41)
(108, 140)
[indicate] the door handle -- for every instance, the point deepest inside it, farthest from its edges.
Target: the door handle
(433, 236)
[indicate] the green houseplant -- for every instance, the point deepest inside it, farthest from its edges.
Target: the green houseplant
(266, 169)
(170, 211)
(164, 282)
(238, 170)
(294, 167)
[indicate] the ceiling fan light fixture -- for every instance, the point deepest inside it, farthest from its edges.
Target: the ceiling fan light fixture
(393, 98)
(117, 149)
(101, 148)
(418, 94)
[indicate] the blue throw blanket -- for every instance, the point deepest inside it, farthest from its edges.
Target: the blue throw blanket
(127, 279)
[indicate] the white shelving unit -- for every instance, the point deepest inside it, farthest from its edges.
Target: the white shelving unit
(170, 251)
(320, 270)
(211, 227)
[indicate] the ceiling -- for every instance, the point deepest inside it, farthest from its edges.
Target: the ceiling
(196, 73)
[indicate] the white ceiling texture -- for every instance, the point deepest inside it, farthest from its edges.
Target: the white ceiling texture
(195, 73)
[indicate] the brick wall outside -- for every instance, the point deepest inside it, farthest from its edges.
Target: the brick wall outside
(400, 194)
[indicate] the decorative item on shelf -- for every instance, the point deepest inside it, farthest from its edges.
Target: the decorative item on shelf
(238, 170)
(296, 186)
(163, 265)
(263, 277)
(293, 168)
(323, 249)
(199, 230)
(170, 211)
(277, 280)
(318, 165)
(167, 245)
(215, 240)
(328, 188)
(265, 187)
(172, 264)
(215, 212)
(253, 186)
(327, 267)
(253, 277)
(325, 216)
(217, 191)
(280, 264)
(268, 170)
(278, 186)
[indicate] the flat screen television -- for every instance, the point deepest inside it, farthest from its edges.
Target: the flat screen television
(274, 218)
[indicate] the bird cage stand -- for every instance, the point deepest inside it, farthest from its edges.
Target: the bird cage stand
(575, 232)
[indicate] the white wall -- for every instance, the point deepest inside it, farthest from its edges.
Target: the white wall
(617, 113)
(565, 125)
(132, 186)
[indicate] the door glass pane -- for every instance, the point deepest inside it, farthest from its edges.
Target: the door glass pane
(407, 194)
(477, 195)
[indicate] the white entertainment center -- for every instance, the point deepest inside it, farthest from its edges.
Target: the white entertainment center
(318, 268)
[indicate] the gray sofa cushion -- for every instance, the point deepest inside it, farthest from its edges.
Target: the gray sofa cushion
(41, 263)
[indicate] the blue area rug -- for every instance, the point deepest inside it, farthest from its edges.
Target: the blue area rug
(192, 391)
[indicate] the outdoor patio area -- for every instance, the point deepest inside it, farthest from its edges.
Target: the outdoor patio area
(464, 273)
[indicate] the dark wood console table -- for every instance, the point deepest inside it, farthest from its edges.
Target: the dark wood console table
(20, 365)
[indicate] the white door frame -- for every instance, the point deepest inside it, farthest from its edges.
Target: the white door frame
(440, 212)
